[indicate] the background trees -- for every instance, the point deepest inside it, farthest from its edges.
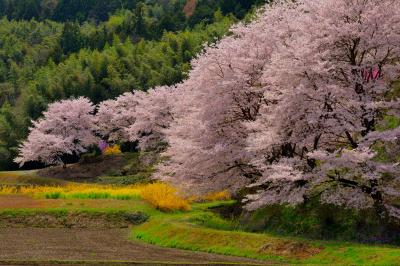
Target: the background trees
(98, 10)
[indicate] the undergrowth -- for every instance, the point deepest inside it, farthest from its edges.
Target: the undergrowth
(316, 221)
(164, 197)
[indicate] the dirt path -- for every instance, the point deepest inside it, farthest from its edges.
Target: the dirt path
(38, 244)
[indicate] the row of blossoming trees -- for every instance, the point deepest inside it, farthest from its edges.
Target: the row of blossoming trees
(288, 105)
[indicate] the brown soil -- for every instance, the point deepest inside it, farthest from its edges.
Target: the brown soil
(71, 220)
(87, 170)
(25, 202)
(38, 244)
(298, 250)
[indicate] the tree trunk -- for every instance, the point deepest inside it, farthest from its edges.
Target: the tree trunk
(353, 144)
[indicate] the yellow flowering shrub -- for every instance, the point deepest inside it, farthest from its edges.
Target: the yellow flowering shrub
(112, 150)
(7, 190)
(218, 196)
(213, 196)
(164, 197)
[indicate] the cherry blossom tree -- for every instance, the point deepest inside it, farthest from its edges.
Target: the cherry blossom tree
(325, 87)
(136, 116)
(114, 116)
(67, 128)
(207, 137)
(153, 116)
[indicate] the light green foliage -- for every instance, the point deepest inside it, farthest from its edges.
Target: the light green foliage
(395, 92)
(388, 122)
(387, 152)
(384, 153)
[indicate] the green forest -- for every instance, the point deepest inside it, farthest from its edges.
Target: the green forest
(57, 49)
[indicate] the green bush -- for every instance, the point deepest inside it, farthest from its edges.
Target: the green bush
(136, 218)
(316, 221)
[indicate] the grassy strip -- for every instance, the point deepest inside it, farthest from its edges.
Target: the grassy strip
(75, 191)
(23, 178)
(114, 263)
(71, 219)
(183, 230)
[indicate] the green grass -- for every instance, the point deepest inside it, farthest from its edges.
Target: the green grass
(89, 195)
(110, 262)
(201, 230)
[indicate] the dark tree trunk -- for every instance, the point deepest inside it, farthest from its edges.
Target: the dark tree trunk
(353, 144)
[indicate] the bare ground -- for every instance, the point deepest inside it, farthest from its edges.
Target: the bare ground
(85, 171)
(27, 245)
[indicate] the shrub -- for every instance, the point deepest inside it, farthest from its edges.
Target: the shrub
(139, 178)
(164, 197)
(112, 150)
(322, 221)
(212, 196)
(136, 218)
(7, 190)
(91, 157)
(217, 196)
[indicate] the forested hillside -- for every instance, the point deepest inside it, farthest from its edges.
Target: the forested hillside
(96, 10)
(56, 49)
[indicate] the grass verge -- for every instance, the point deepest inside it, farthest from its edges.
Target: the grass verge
(25, 178)
(113, 263)
(65, 218)
(188, 231)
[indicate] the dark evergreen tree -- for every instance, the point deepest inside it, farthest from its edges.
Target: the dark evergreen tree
(71, 38)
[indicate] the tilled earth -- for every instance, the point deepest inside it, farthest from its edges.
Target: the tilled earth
(41, 239)
(55, 244)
